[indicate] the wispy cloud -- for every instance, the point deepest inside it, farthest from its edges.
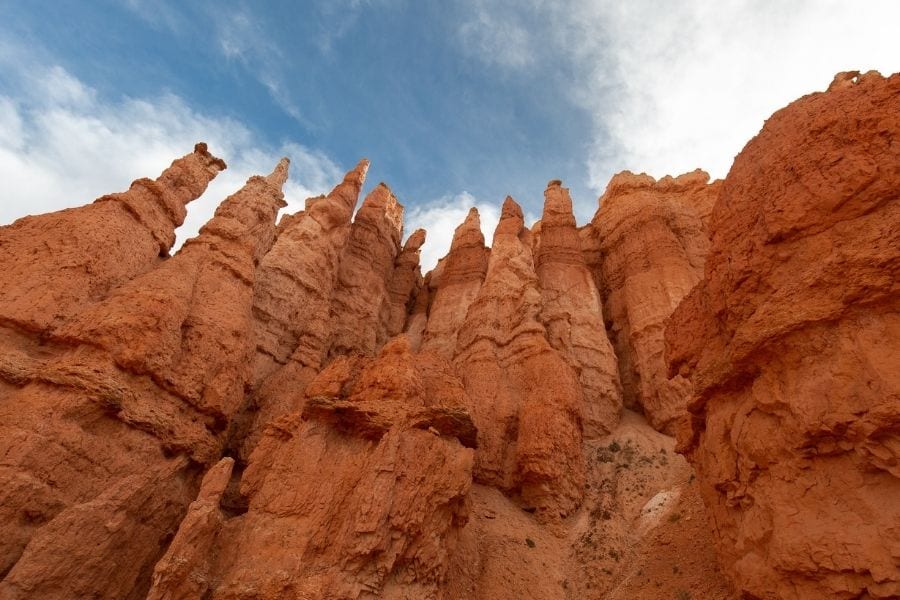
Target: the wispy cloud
(339, 17)
(493, 34)
(62, 145)
(241, 37)
(675, 86)
(689, 84)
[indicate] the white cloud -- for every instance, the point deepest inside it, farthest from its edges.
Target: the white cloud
(440, 219)
(61, 145)
(671, 86)
(695, 81)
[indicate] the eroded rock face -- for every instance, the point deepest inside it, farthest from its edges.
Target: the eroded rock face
(378, 470)
(455, 283)
(291, 306)
(525, 398)
(357, 318)
(572, 314)
(403, 290)
(792, 340)
(242, 420)
(109, 421)
(53, 264)
(647, 244)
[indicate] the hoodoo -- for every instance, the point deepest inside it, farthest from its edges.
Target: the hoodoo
(291, 409)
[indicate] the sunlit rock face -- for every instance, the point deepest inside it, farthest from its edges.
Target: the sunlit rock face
(288, 408)
(792, 341)
(647, 244)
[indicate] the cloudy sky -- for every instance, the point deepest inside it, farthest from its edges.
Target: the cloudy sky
(456, 103)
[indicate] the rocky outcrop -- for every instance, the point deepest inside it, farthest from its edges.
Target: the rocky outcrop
(378, 475)
(525, 398)
(791, 341)
(291, 306)
(55, 264)
(454, 285)
(649, 244)
(107, 424)
(403, 290)
(572, 315)
(367, 267)
(246, 419)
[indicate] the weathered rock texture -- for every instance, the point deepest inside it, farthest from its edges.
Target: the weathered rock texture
(525, 399)
(455, 283)
(647, 244)
(107, 424)
(291, 306)
(792, 341)
(294, 411)
(571, 313)
(358, 316)
(56, 263)
(363, 493)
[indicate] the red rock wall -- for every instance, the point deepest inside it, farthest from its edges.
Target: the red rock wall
(367, 487)
(525, 399)
(647, 244)
(109, 419)
(245, 419)
(572, 315)
(792, 341)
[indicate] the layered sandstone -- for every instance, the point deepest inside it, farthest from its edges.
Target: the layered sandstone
(571, 312)
(792, 339)
(246, 419)
(404, 288)
(453, 287)
(109, 422)
(367, 487)
(291, 306)
(647, 244)
(357, 320)
(53, 264)
(525, 398)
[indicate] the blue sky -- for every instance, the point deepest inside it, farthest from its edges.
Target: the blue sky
(455, 103)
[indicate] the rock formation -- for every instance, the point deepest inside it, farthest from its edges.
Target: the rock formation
(378, 469)
(403, 291)
(525, 399)
(455, 283)
(571, 312)
(367, 267)
(291, 306)
(792, 341)
(53, 264)
(109, 421)
(295, 411)
(647, 244)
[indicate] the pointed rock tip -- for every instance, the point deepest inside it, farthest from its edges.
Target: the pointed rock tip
(511, 219)
(554, 183)
(202, 149)
(357, 175)
(510, 208)
(361, 168)
(415, 241)
(280, 174)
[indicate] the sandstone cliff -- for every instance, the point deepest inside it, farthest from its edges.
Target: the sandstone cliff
(295, 411)
(647, 244)
(109, 419)
(379, 472)
(571, 312)
(792, 340)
